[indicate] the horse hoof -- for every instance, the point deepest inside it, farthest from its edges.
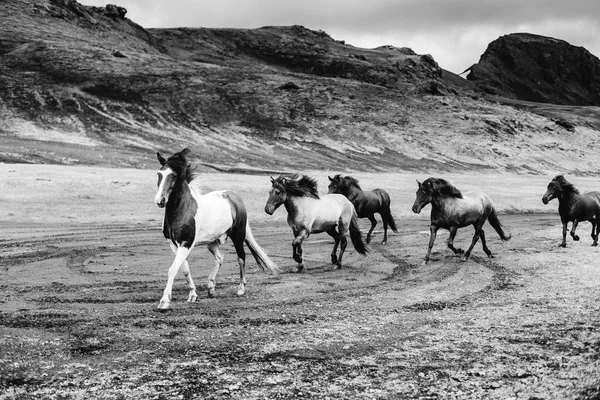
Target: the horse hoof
(368, 240)
(464, 258)
(595, 244)
(460, 251)
(334, 259)
(338, 265)
(384, 242)
(300, 270)
(562, 245)
(192, 298)
(576, 238)
(424, 262)
(211, 292)
(163, 305)
(240, 292)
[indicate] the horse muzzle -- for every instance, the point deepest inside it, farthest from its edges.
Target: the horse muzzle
(546, 199)
(269, 209)
(161, 202)
(417, 208)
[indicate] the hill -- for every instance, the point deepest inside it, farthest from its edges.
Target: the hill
(86, 85)
(540, 69)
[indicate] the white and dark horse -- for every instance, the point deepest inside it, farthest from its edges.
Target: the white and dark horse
(308, 213)
(450, 209)
(193, 218)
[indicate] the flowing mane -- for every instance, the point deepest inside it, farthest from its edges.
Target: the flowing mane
(298, 185)
(178, 162)
(442, 187)
(348, 181)
(565, 185)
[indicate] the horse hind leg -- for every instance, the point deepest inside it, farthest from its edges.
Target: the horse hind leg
(595, 226)
(336, 237)
(215, 250)
(484, 244)
(475, 239)
(373, 225)
(238, 243)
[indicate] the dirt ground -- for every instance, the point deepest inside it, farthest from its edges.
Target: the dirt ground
(79, 320)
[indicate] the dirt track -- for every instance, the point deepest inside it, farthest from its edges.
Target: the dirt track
(79, 317)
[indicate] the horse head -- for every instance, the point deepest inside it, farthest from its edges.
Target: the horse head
(335, 184)
(277, 194)
(174, 171)
(424, 195)
(557, 186)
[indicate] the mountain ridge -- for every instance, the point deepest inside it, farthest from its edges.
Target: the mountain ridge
(85, 85)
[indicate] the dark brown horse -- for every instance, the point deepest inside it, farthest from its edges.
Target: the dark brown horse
(573, 206)
(365, 203)
(451, 210)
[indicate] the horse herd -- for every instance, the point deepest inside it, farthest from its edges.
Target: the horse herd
(193, 218)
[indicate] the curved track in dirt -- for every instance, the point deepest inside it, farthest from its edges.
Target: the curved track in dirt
(79, 315)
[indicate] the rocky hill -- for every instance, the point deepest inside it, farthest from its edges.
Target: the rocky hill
(538, 68)
(86, 85)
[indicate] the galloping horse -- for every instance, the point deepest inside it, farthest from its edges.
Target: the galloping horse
(451, 210)
(365, 203)
(307, 213)
(575, 207)
(193, 218)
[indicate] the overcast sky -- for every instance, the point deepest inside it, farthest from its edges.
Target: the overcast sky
(454, 32)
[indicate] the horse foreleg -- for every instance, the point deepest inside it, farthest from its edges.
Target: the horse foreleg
(373, 224)
(594, 222)
(215, 250)
(573, 227)
(453, 231)
(336, 237)
(475, 239)
(188, 277)
(297, 248)
(433, 233)
(564, 234)
(180, 257)
(343, 243)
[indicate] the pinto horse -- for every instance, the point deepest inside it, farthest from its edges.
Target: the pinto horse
(573, 206)
(365, 203)
(193, 218)
(308, 213)
(451, 210)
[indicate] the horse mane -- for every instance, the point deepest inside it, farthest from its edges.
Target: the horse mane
(179, 163)
(565, 185)
(298, 185)
(442, 187)
(348, 181)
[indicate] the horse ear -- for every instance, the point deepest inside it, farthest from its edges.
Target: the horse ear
(330, 178)
(283, 181)
(419, 183)
(272, 180)
(185, 151)
(161, 159)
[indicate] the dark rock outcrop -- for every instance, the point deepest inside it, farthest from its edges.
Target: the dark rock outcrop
(536, 68)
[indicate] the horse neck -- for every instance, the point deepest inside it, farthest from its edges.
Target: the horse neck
(296, 205)
(567, 199)
(351, 192)
(179, 199)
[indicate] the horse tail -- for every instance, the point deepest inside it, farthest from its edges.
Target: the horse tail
(386, 213)
(356, 235)
(495, 222)
(261, 257)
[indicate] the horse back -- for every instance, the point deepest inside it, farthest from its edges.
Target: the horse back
(369, 203)
(586, 207)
